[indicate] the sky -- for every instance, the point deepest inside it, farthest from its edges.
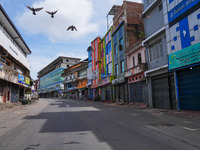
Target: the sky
(48, 38)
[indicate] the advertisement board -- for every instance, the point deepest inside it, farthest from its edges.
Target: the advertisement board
(184, 57)
(21, 79)
(27, 81)
(181, 8)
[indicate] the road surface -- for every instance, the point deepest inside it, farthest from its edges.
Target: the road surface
(64, 124)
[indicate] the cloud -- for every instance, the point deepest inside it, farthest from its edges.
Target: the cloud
(70, 12)
(38, 62)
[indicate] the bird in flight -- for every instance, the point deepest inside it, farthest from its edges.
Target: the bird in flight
(52, 13)
(72, 28)
(34, 9)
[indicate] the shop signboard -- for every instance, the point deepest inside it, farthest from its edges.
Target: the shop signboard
(21, 79)
(182, 7)
(115, 81)
(184, 57)
(27, 81)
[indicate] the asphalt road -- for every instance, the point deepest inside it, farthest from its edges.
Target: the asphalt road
(65, 124)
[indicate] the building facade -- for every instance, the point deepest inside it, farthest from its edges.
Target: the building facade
(106, 70)
(15, 80)
(95, 66)
(75, 83)
(127, 25)
(50, 79)
(89, 73)
(136, 66)
(161, 85)
(183, 44)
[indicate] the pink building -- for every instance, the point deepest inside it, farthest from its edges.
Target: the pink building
(136, 65)
(95, 65)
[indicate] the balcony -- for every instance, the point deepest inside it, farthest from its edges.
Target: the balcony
(8, 74)
(135, 70)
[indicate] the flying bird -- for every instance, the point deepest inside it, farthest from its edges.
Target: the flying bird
(34, 9)
(52, 13)
(72, 28)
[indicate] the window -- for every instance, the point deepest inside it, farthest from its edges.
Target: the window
(116, 69)
(133, 61)
(115, 49)
(67, 60)
(156, 50)
(121, 44)
(110, 68)
(122, 66)
(139, 58)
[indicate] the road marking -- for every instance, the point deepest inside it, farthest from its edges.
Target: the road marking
(190, 129)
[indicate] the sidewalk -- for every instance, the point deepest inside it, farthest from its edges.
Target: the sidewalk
(12, 115)
(181, 125)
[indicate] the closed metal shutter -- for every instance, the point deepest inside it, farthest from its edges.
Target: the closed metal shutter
(172, 93)
(122, 92)
(160, 92)
(117, 93)
(136, 92)
(189, 88)
(103, 89)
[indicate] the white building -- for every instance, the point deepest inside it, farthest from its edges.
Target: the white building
(14, 65)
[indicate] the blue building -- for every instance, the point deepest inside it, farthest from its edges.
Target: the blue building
(89, 73)
(50, 79)
(182, 23)
(126, 28)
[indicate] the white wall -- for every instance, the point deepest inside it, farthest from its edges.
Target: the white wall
(12, 49)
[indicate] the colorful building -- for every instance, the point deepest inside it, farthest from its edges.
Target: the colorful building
(106, 70)
(127, 25)
(50, 79)
(95, 66)
(136, 66)
(183, 46)
(75, 80)
(89, 73)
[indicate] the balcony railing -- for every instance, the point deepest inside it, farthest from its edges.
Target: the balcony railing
(135, 70)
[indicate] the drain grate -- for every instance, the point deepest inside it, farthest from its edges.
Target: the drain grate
(161, 124)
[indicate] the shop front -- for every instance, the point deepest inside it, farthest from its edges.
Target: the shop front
(106, 89)
(186, 65)
(120, 89)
